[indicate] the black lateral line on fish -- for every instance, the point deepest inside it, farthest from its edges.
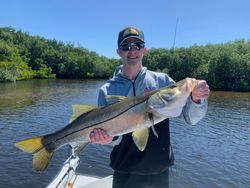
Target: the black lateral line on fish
(98, 122)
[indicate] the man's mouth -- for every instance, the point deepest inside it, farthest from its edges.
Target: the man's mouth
(132, 58)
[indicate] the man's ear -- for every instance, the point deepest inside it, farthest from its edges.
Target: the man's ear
(118, 51)
(145, 51)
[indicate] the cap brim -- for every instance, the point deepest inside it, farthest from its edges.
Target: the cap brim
(129, 38)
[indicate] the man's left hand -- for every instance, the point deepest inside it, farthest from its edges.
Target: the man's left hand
(201, 91)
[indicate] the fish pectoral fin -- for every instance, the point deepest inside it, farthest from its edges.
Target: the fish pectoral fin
(111, 99)
(140, 138)
(154, 131)
(79, 109)
(151, 119)
(41, 156)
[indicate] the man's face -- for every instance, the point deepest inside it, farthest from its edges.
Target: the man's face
(132, 51)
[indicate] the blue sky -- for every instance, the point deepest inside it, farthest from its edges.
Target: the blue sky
(94, 24)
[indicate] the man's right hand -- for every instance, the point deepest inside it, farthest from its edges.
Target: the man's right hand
(99, 136)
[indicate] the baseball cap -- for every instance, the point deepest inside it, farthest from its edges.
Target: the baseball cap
(130, 32)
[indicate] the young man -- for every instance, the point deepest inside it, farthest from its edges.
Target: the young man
(148, 168)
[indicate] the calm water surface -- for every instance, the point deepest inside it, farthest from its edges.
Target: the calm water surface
(214, 153)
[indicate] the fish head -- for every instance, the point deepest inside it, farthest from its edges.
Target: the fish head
(170, 100)
(187, 85)
(163, 97)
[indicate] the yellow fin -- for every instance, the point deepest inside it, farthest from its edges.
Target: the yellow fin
(79, 109)
(31, 145)
(151, 118)
(154, 131)
(140, 137)
(111, 99)
(41, 157)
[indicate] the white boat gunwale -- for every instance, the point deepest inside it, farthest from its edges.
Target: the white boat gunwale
(67, 177)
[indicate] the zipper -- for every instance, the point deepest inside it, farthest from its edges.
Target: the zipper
(132, 82)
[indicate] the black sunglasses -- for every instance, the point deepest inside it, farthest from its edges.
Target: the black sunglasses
(128, 46)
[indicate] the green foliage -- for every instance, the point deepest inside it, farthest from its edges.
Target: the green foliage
(42, 58)
(44, 72)
(23, 71)
(224, 66)
(6, 75)
(12, 65)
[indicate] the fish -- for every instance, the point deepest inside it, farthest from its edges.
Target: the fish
(122, 115)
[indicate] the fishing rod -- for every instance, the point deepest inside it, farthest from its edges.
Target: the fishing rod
(172, 51)
(175, 31)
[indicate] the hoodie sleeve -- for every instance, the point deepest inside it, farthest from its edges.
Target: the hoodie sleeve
(193, 112)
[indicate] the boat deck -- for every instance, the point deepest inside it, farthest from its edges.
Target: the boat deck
(83, 181)
(67, 177)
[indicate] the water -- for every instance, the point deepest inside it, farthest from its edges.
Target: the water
(214, 153)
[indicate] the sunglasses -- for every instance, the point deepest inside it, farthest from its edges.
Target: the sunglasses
(135, 45)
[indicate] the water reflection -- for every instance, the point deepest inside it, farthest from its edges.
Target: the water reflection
(215, 153)
(25, 93)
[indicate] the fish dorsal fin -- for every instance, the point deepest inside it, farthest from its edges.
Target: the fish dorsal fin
(111, 99)
(79, 109)
(140, 137)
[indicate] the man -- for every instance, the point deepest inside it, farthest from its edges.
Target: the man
(148, 168)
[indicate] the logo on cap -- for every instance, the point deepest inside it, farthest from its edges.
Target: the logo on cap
(130, 31)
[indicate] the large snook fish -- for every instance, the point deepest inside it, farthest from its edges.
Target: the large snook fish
(125, 115)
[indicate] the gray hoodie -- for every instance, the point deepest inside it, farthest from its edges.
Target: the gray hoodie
(158, 155)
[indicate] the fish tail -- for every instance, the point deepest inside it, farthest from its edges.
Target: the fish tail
(41, 156)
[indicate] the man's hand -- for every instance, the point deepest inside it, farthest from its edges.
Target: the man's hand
(201, 91)
(99, 136)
